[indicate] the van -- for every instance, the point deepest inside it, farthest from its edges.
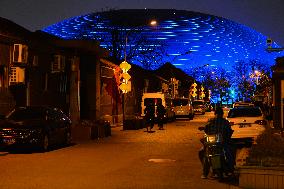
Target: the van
(183, 108)
(199, 107)
(155, 98)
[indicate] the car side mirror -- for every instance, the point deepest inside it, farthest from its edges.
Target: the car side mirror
(201, 128)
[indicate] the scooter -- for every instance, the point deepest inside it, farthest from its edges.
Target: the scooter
(215, 153)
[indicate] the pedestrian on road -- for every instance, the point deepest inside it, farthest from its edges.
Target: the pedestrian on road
(161, 111)
(149, 116)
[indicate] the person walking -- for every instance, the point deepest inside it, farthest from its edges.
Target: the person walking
(161, 111)
(149, 116)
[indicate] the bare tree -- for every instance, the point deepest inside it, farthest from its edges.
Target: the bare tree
(214, 79)
(250, 78)
(146, 52)
(128, 41)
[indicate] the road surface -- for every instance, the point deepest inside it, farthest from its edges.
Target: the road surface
(131, 159)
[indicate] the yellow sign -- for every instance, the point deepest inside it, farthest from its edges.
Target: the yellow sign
(125, 66)
(125, 87)
(126, 76)
(194, 85)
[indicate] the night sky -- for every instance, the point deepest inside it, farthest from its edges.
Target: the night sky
(264, 16)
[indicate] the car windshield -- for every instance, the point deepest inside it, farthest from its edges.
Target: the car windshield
(180, 102)
(198, 103)
(148, 101)
(22, 114)
(244, 112)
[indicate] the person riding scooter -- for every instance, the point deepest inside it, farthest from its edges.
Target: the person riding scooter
(221, 126)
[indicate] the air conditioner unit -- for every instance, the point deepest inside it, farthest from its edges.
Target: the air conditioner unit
(20, 53)
(17, 75)
(58, 65)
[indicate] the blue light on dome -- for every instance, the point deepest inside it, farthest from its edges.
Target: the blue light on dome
(208, 38)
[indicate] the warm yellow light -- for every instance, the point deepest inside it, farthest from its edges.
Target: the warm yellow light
(153, 23)
(125, 66)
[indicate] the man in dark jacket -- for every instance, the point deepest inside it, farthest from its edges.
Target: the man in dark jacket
(150, 116)
(215, 126)
(161, 111)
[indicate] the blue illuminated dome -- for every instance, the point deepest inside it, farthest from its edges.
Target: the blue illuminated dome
(189, 39)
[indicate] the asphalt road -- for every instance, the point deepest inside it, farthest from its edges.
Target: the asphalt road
(131, 159)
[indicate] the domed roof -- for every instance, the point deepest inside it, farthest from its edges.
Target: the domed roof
(189, 40)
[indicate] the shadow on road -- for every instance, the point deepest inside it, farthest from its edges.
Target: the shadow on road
(29, 150)
(231, 180)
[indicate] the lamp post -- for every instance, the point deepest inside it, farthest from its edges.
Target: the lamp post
(126, 84)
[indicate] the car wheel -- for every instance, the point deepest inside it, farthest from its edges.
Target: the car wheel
(68, 138)
(45, 143)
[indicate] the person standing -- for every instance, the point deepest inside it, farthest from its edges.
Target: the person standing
(161, 111)
(149, 116)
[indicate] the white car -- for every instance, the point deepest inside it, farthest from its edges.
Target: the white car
(199, 107)
(247, 122)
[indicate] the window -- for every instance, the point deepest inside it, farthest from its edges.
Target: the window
(180, 102)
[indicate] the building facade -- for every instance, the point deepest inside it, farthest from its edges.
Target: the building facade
(74, 75)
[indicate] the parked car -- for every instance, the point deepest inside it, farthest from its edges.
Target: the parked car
(183, 108)
(35, 126)
(247, 122)
(208, 107)
(198, 106)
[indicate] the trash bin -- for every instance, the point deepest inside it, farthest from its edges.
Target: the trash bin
(133, 124)
(127, 124)
(101, 129)
(107, 128)
(140, 122)
(94, 131)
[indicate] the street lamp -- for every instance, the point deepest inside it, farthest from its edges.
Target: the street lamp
(126, 84)
(256, 75)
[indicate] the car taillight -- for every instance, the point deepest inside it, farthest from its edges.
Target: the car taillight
(260, 122)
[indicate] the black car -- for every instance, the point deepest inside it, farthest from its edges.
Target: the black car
(35, 126)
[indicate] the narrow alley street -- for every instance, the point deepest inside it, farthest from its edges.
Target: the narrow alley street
(130, 159)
